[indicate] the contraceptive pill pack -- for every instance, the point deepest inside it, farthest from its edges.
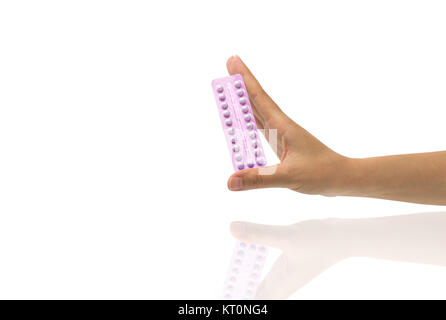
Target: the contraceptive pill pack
(246, 151)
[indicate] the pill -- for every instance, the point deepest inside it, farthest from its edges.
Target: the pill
(233, 140)
(254, 144)
(228, 122)
(252, 247)
(219, 88)
(238, 262)
(242, 245)
(260, 161)
(236, 148)
(245, 109)
(262, 249)
(247, 117)
(221, 96)
(250, 126)
(226, 113)
(240, 253)
(230, 288)
(231, 131)
(240, 166)
(237, 84)
(254, 275)
(252, 134)
(224, 105)
(250, 163)
(257, 152)
(238, 157)
(233, 279)
(235, 270)
(242, 101)
(240, 92)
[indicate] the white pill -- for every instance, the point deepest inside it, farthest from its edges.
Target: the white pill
(242, 101)
(260, 161)
(221, 96)
(236, 148)
(240, 92)
(233, 140)
(238, 157)
(238, 261)
(247, 117)
(237, 84)
(254, 144)
(257, 152)
(240, 166)
(226, 113)
(252, 134)
(252, 247)
(224, 105)
(228, 122)
(231, 131)
(220, 88)
(242, 245)
(245, 109)
(250, 163)
(250, 126)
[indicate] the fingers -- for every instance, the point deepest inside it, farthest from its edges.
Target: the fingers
(271, 236)
(289, 275)
(262, 103)
(266, 177)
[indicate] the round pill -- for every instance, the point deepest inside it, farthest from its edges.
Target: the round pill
(250, 126)
(238, 262)
(237, 84)
(262, 249)
(224, 105)
(226, 113)
(240, 92)
(257, 152)
(240, 166)
(235, 270)
(260, 161)
(242, 245)
(232, 279)
(228, 122)
(251, 284)
(257, 267)
(221, 96)
(242, 101)
(250, 163)
(235, 148)
(230, 288)
(259, 258)
(245, 109)
(231, 131)
(240, 253)
(238, 157)
(254, 143)
(233, 140)
(252, 134)
(252, 247)
(253, 275)
(220, 88)
(247, 117)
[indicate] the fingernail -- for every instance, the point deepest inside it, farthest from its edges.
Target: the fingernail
(236, 183)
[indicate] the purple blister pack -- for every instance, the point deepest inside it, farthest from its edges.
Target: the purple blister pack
(246, 151)
(238, 122)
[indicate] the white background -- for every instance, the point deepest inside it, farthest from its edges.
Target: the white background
(113, 165)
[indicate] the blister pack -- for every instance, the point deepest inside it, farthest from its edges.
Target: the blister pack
(246, 151)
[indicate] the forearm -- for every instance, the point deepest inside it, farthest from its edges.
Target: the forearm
(419, 238)
(419, 178)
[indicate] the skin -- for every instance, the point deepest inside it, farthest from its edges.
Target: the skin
(308, 166)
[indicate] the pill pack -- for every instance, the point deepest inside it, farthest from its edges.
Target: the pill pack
(246, 151)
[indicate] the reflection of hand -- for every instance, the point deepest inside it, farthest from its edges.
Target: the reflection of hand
(308, 248)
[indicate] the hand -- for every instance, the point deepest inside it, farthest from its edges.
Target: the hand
(306, 164)
(308, 249)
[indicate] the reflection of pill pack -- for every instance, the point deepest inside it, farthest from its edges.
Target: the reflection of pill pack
(246, 151)
(238, 122)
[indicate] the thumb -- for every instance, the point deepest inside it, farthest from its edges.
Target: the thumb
(271, 236)
(265, 177)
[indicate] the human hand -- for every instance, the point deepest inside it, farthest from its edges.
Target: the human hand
(306, 164)
(308, 249)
